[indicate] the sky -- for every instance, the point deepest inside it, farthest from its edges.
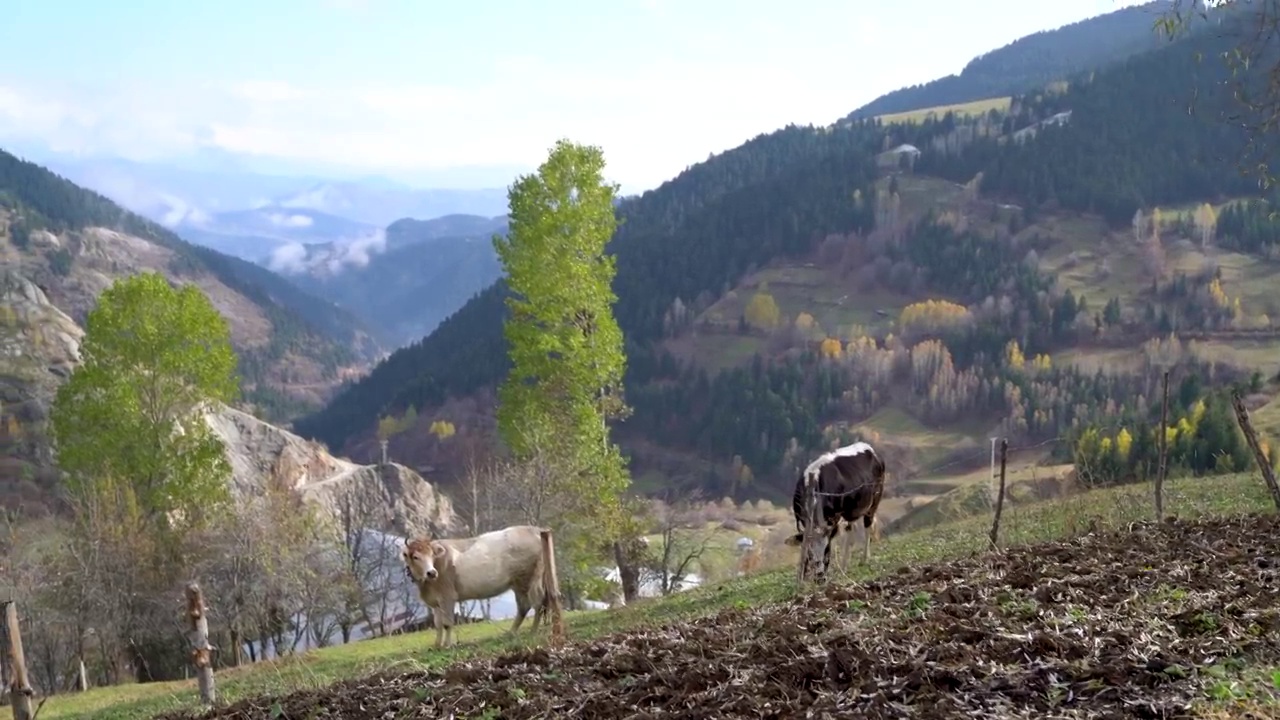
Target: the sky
(468, 90)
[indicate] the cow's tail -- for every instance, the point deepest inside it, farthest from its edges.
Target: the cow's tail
(548, 577)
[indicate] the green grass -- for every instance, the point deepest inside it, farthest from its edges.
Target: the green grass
(1267, 420)
(975, 107)
(1022, 524)
(930, 445)
(716, 350)
(1091, 360)
(971, 494)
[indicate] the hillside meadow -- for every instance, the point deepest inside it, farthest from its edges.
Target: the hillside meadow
(1022, 524)
(966, 109)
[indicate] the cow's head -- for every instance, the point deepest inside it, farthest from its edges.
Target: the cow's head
(420, 557)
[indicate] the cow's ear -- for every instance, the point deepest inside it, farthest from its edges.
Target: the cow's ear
(438, 549)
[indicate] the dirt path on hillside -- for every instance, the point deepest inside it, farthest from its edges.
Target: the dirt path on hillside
(1124, 625)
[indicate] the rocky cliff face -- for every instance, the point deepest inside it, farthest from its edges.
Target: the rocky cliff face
(390, 496)
(39, 347)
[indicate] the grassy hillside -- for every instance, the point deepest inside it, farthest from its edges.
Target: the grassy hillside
(937, 112)
(1049, 520)
(1031, 62)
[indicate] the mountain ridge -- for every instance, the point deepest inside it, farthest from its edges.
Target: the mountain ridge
(1031, 62)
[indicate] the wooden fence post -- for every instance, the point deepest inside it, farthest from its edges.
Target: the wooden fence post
(551, 588)
(201, 650)
(995, 522)
(1251, 437)
(1164, 450)
(20, 691)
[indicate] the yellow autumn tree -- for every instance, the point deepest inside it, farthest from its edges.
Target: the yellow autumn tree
(933, 315)
(805, 321)
(762, 311)
(830, 348)
(1206, 221)
(1013, 356)
(1217, 294)
(387, 426)
(443, 429)
(1124, 442)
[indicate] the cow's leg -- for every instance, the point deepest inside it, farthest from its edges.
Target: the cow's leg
(437, 620)
(522, 609)
(846, 542)
(451, 618)
(826, 551)
(538, 602)
(868, 522)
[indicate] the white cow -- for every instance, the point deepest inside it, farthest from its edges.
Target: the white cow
(449, 571)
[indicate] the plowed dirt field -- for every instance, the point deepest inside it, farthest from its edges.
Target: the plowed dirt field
(1148, 623)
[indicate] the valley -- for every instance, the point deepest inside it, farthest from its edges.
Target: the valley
(1047, 249)
(803, 299)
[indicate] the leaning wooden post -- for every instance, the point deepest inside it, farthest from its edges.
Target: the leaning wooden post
(20, 691)
(1164, 450)
(551, 588)
(201, 650)
(1250, 436)
(995, 522)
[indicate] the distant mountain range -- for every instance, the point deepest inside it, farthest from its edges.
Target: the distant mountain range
(402, 281)
(251, 214)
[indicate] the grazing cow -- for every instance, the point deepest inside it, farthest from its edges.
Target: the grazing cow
(477, 568)
(850, 481)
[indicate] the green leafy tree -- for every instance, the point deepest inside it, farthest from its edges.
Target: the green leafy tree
(566, 350)
(152, 356)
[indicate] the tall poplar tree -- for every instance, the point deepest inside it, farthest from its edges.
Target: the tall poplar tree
(566, 347)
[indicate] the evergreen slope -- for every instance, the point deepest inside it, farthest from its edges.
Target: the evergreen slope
(1032, 62)
(1149, 130)
(690, 237)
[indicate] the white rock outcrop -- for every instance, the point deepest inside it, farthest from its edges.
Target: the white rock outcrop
(390, 497)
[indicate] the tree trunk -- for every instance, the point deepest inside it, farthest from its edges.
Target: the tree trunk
(629, 573)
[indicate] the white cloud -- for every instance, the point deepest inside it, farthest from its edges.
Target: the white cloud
(289, 221)
(296, 258)
(290, 258)
(652, 119)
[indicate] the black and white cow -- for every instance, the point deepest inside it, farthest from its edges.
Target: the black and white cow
(850, 482)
